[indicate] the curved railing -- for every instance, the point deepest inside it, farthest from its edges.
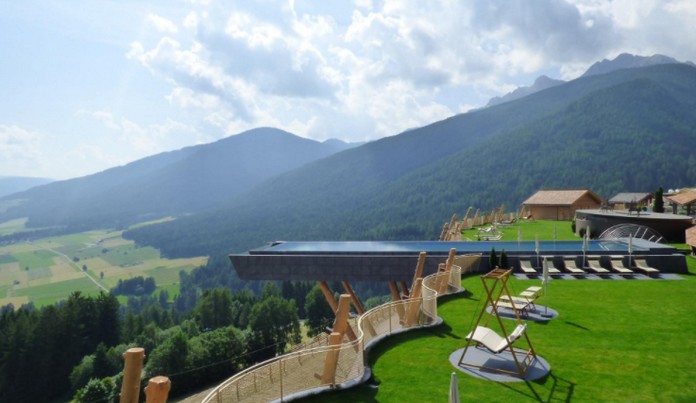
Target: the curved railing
(300, 372)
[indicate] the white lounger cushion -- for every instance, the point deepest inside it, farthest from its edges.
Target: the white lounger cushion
(492, 341)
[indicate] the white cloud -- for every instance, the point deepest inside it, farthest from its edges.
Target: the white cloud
(19, 150)
(352, 70)
(380, 68)
(162, 24)
(144, 140)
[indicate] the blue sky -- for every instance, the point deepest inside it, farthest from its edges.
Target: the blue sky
(89, 85)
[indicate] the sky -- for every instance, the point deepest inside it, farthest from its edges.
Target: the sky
(89, 85)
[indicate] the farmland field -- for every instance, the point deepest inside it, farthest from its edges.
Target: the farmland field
(50, 269)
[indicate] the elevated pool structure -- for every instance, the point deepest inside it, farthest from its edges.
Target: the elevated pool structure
(377, 261)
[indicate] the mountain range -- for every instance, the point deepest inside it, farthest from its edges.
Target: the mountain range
(622, 61)
(175, 183)
(629, 129)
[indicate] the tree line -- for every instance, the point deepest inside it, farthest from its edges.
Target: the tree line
(74, 349)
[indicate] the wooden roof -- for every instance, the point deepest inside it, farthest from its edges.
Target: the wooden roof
(691, 236)
(559, 197)
(629, 197)
(683, 198)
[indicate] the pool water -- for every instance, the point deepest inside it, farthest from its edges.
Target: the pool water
(369, 247)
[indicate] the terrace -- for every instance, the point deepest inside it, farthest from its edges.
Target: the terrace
(612, 340)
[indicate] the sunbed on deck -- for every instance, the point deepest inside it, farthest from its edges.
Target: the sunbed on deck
(618, 266)
(594, 267)
(642, 266)
(553, 270)
(527, 268)
(571, 267)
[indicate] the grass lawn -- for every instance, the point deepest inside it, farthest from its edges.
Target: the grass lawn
(627, 340)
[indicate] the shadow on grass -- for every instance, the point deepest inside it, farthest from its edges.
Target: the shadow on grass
(547, 389)
(578, 326)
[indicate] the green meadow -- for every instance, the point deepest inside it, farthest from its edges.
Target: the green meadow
(614, 340)
(50, 269)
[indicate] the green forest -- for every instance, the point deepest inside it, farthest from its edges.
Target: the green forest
(73, 349)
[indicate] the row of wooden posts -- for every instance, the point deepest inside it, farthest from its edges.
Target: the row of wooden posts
(451, 230)
(157, 389)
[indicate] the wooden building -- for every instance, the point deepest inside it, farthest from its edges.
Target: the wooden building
(685, 199)
(622, 201)
(561, 204)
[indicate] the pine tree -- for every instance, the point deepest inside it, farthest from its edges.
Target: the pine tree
(659, 203)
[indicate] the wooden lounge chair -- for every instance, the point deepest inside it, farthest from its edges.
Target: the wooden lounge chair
(527, 268)
(553, 270)
(572, 268)
(642, 266)
(594, 267)
(488, 338)
(618, 266)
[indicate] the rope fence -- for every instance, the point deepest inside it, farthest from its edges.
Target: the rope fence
(300, 371)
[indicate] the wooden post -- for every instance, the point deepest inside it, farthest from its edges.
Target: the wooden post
(356, 302)
(414, 304)
(441, 268)
(328, 295)
(341, 322)
(419, 268)
(443, 234)
(157, 389)
(394, 289)
(328, 377)
(450, 258)
(133, 366)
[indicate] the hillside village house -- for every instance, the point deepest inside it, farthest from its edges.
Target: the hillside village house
(622, 201)
(561, 204)
(685, 199)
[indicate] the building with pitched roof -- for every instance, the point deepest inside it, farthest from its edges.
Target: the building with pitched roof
(685, 199)
(561, 204)
(622, 201)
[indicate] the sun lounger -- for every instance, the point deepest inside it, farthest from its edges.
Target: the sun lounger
(492, 341)
(594, 266)
(572, 268)
(553, 270)
(527, 268)
(642, 266)
(618, 266)
(520, 301)
(519, 305)
(531, 293)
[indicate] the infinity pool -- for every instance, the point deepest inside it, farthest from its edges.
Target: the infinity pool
(369, 247)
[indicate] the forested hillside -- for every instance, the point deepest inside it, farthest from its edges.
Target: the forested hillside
(174, 183)
(629, 130)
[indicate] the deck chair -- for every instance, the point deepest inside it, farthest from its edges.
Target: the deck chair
(594, 266)
(571, 267)
(642, 266)
(618, 266)
(520, 302)
(553, 270)
(531, 292)
(492, 341)
(527, 268)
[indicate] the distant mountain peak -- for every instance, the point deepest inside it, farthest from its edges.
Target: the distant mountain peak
(541, 83)
(628, 61)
